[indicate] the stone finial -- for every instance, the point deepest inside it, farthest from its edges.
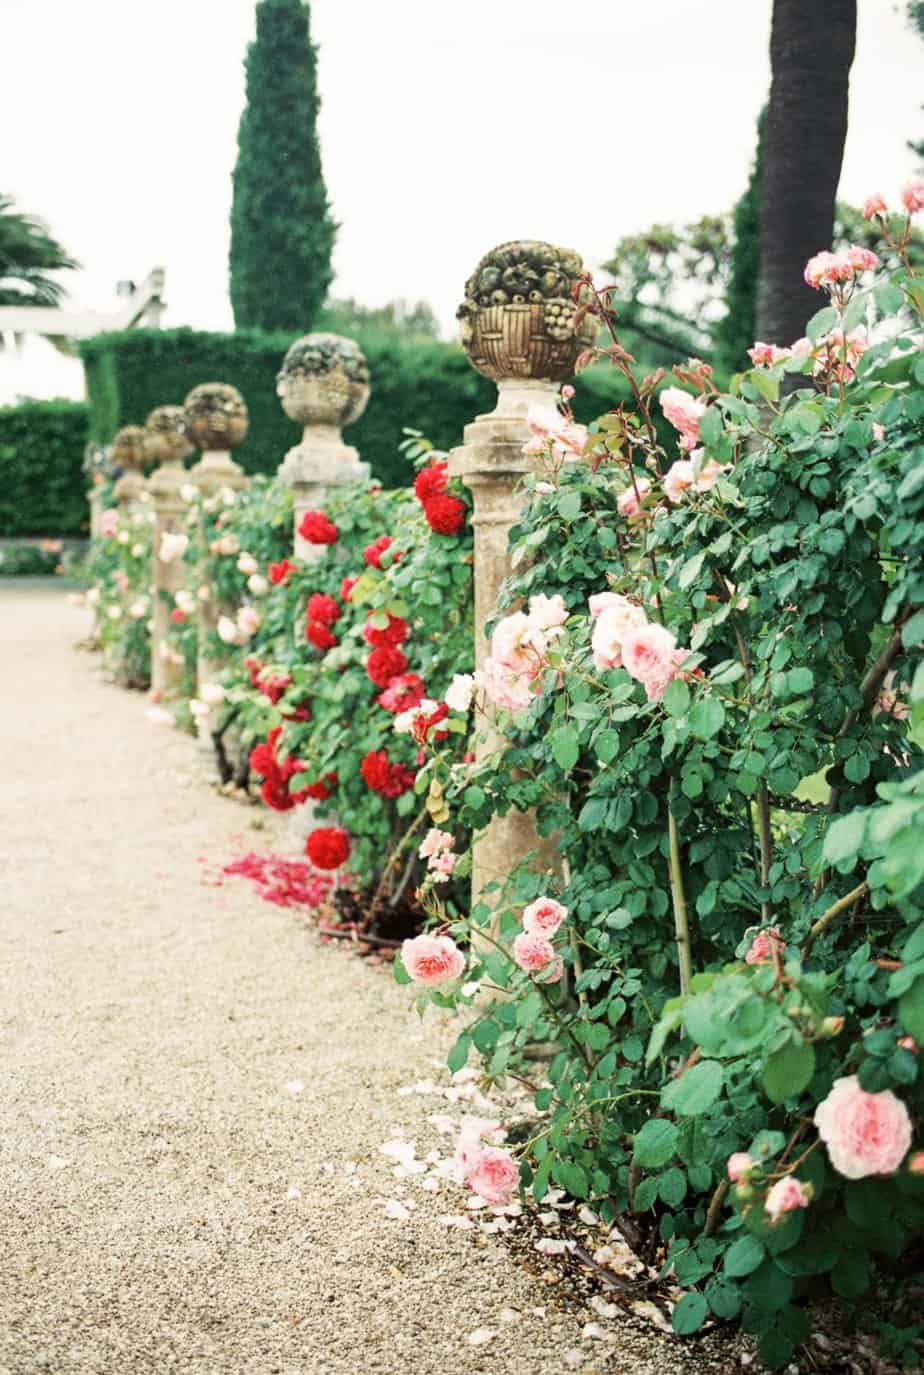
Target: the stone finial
(517, 319)
(165, 435)
(324, 380)
(128, 448)
(216, 417)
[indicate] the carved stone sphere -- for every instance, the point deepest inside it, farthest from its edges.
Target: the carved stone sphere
(128, 448)
(165, 435)
(324, 380)
(216, 416)
(517, 319)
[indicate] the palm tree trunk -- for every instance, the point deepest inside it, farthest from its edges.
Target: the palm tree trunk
(811, 49)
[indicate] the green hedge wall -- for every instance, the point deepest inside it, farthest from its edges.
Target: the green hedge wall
(42, 485)
(426, 384)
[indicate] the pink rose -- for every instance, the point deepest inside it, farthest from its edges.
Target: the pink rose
(827, 268)
(630, 501)
(709, 474)
(471, 1141)
(603, 601)
(766, 355)
(493, 1175)
(677, 479)
(874, 205)
(786, 1196)
(802, 348)
(739, 1166)
(434, 843)
(543, 917)
(532, 952)
(567, 392)
(762, 945)
(507, 690)
(109, 522)
(861, 259)
(511, 643)
(650, 655)
(612, 624)
(548, 613)
(441, 866)
(913, 195)
(865, 1133)
(683, 410)
(878, 432)
(432, 960)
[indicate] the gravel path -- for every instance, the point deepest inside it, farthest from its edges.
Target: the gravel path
(155, 1028)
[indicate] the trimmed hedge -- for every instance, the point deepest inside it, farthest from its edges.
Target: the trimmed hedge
(424, 383)
(42, 485)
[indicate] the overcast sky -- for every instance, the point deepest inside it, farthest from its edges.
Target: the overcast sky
(445, 128)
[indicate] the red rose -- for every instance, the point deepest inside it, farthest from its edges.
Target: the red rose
(279, 572)
(322, 789)
(431, 482)
(276, 795)
(402, 693)
(424, 724)
(393, 634)
(177, 615)
(346, 587)
(301, 713)
(262, 760)
(253, 667)
(328, 847)
(373, 552)
(444, 514)
(273, 685)
(317, 529)
(317, 634)
(391, 780)
(385, 663)
(323, 608)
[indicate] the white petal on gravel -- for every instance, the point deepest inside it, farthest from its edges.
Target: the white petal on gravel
(549, 1246)
(588, 1215)
(443, 1122)
(475, 1202)
(602, 1308)
(481, 1336)
(431, 1183)
(500, 1224)
(573, 1358)
(295, 1086)
(293, 1192)
(549, 1219)
(397, 1211)
(595, 1332)
(55, 1162)
(508, 1315)
(464, 1224)
(404, 1152)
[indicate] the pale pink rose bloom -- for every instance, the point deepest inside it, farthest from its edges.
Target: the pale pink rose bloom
(248, 621)
(874, 205)
(434, 843)
(827, 268)
(550, 428)
(657, 681)
(916, 1162)
(569, 441)
(493, 1176)
(247, 564)
(802, 348)
(109, 522)
(513, 641)
(683, 410)
(544, 421)
(762, 945)
(432, 960)
(121, 579)
(471, 1140)
(908, 1043)
(603, 601)
(552, 972)
(630, 501)
(548, 613)
(787, 1195)
(544, 916)
(532, 952)
(441, 866)
(535, 446)
(227, 630)
(172, 546)
(913, 195)
(648, 652)
(678, 479)
(567, 392)
(739, 1165)
(861, 259)
(544, 489)
(878, 432)
(766, 355)
(865, 1133)
(709, 475)
(507, 690)
(610, 630)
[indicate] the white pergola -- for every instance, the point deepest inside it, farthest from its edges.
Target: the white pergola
(143, 307)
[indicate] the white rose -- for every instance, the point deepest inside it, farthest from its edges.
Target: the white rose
(213, 693)
(247, 563)
(137, 551)
(123, 537)
(227, 630)
(459, 693)
(114, 612)
(248, 621)
(258, 585)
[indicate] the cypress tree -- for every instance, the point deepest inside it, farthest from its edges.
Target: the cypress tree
(735, 332)
(282, 234)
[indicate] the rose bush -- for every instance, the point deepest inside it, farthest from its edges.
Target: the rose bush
(721, 725)
(118, 570)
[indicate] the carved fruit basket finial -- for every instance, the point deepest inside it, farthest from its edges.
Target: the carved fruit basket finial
(216, 417)
(324, 380)
(517, 319)
(128, 448)
(165, 438)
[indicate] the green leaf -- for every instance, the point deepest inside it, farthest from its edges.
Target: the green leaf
(690, 1314)
(723, 1297)
(677, 698)
(707, 718)
(913, 630)
(690, 570)
(744, 1256)
(672, 1186)
(655, 1144)
(458, 1056)
(911, 1010)
(564, 743)
(844, 838)
(769, 1287)
(569, 505)
(820, 323)
(400, 973)
(572, 1177)
(711, 426)
(606, 745)
(696, 1090)
(789, 1071)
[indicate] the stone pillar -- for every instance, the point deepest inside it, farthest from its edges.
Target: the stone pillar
(516, 327)
(129, 453)
(216, 423)
(166, 442)
(323, 385)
